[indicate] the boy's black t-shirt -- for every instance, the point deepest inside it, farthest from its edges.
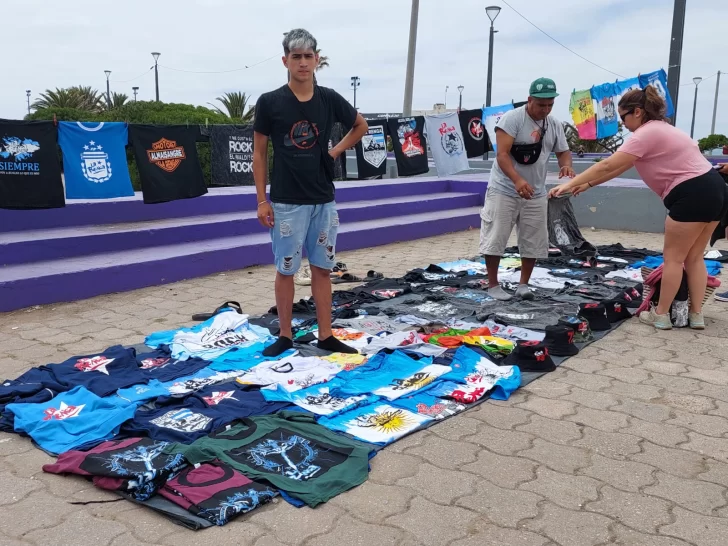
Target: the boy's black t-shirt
(299, 175)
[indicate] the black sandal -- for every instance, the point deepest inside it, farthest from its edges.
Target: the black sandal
(373, 275)
(228, 304)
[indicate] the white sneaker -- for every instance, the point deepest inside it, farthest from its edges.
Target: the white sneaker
(303, 276)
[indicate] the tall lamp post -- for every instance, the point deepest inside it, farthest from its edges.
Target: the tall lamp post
(108, 90)
(411, 49)
(156, 73)
(696, 81)
(135, 90)
(355, 82)
(492, 12)
(27, 94)
(460, 104)
(446, 88)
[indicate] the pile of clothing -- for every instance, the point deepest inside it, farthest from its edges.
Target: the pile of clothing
(199, 425)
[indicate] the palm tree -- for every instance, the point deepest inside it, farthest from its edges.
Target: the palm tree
(117, 100)
(323, 63)
(234, 104)
(89, 98)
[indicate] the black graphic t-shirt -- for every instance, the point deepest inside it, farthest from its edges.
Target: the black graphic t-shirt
(300, 176)
(474, 133)
(371, 151)
(231, 154)
(138, 466)
(30, 173)
(410, 145)
(166, 156)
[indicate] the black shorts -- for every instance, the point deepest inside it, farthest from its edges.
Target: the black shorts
(700, 199)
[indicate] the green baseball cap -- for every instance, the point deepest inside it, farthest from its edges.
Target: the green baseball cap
(543, 88)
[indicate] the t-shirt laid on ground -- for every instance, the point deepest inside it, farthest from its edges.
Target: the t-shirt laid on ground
(94, 160)
(410, 145)
(231, 154)
(474, 133)
(72, 420)
(302, 168)
(160, 365)
(30, 173)
(446, 143)
(317, 399)
(665, 156)
(101, 373)
(166, 156)
(371, 151)
(137, 466)
(290, 451)
(210, 339)
(377, 423)
(216, 492)
(518, 124)
(290, 374)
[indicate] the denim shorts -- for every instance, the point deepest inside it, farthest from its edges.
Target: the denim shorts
(312, 228)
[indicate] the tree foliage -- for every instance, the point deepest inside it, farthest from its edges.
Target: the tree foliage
(234, 104)
(610, 144)
(711, 142)
(78, 97)
(117, 100)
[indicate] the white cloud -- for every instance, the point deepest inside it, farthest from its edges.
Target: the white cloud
(70, 43)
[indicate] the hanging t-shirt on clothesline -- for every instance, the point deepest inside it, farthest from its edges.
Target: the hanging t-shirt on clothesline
(474, 133)
(607, 121)
(166, 156)
(371, 151)
(410, 145)
(30, 173)
(231, 154)
(446, 143)
(94, 160)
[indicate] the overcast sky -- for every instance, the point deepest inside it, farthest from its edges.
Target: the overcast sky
(73, 42)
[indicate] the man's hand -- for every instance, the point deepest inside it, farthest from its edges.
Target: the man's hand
(524, 189)
(265, 215)
(567, 171)
(334, 153)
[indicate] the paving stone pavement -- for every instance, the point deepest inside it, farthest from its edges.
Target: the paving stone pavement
(627, 443)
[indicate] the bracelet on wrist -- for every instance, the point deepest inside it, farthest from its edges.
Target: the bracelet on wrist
(262, 202)
(589, 184)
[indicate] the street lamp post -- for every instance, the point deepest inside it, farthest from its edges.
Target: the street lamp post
(27, 94)
(411, 49)
(715, 104)
(492, 12)
(696, 81)
(355, 82)
(446, 88)
(135, 90)
(156, 73)
(108, 90)
(460, 104)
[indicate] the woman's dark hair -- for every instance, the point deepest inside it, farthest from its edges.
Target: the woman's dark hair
(648, 99)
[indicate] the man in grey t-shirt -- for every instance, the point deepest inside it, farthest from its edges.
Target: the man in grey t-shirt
(525, 138)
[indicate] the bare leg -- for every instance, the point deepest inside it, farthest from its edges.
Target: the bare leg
(321, 288)
(527, 265)
(491, 264)
(679, 239)
(695, 268)
(285, 291)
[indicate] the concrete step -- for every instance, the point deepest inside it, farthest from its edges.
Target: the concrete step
(67, 242)
(218, 201)
(69, 279)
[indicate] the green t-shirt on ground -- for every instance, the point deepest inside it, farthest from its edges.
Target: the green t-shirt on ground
(290, 451)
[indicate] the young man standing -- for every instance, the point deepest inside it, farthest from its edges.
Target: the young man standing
(516, 195)
(298, 119)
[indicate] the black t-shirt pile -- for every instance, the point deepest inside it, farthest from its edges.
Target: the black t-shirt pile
(166, 156)
(303, 170)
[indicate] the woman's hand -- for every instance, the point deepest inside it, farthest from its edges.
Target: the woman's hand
(559, 190)
(580, 189)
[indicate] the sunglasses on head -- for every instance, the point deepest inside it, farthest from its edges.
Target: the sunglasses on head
(622, 116)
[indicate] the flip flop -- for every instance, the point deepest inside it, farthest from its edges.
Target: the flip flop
(347, 277)
(206, 316)
(373, 275)
(340, 267)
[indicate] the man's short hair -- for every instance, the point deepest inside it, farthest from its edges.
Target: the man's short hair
(298, 38)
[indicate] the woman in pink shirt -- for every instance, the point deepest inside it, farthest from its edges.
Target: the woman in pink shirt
(694, 194)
